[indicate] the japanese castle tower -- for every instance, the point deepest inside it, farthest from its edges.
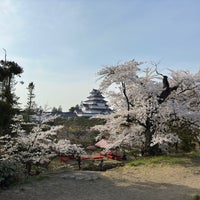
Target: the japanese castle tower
(95, 104)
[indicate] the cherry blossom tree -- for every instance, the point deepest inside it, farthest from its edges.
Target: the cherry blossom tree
(38, 147)
(148, 111)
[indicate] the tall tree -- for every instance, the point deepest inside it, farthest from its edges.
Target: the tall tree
(74, 108)
(30, 102)
(54, 110)
(8, 100)
(59, 109)
(147, 109)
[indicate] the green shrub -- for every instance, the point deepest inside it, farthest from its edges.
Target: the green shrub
(196, 197)
(11, 171)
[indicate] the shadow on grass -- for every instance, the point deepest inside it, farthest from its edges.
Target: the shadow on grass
(56, 187)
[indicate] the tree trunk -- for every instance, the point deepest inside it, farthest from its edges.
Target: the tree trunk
(147, 147)
(28, 167)
(148, 138)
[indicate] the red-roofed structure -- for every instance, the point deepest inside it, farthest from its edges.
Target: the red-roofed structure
(103, 144)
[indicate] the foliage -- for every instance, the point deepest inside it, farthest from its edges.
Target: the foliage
(8, 100)
(77, 130)
(148, 112)
(5, 117)
(38, 147)
(56, 110)
(30, 103)
(188, 141)
(82, 122)
(11, 171)
(74, 108)
(196, 197)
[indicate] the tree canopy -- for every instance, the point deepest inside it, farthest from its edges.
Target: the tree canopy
(8, 99)
(148, 106)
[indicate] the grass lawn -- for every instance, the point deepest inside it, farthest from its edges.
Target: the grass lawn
(184, 159)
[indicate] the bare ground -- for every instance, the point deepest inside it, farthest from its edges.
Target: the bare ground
(131, 183)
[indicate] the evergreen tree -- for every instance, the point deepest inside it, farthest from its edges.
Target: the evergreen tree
(54, 110)
(31, 102)
(59, 110)
(74, 108)
(8, 100)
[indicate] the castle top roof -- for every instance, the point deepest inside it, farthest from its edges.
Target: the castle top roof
(95, 104)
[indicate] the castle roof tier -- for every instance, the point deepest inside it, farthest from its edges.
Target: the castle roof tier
(95, 104)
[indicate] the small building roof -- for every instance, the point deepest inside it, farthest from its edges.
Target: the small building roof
(103, 143)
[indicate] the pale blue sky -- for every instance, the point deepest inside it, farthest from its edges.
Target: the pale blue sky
(62, 44)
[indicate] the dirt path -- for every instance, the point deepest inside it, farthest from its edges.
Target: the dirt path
(124, 183)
